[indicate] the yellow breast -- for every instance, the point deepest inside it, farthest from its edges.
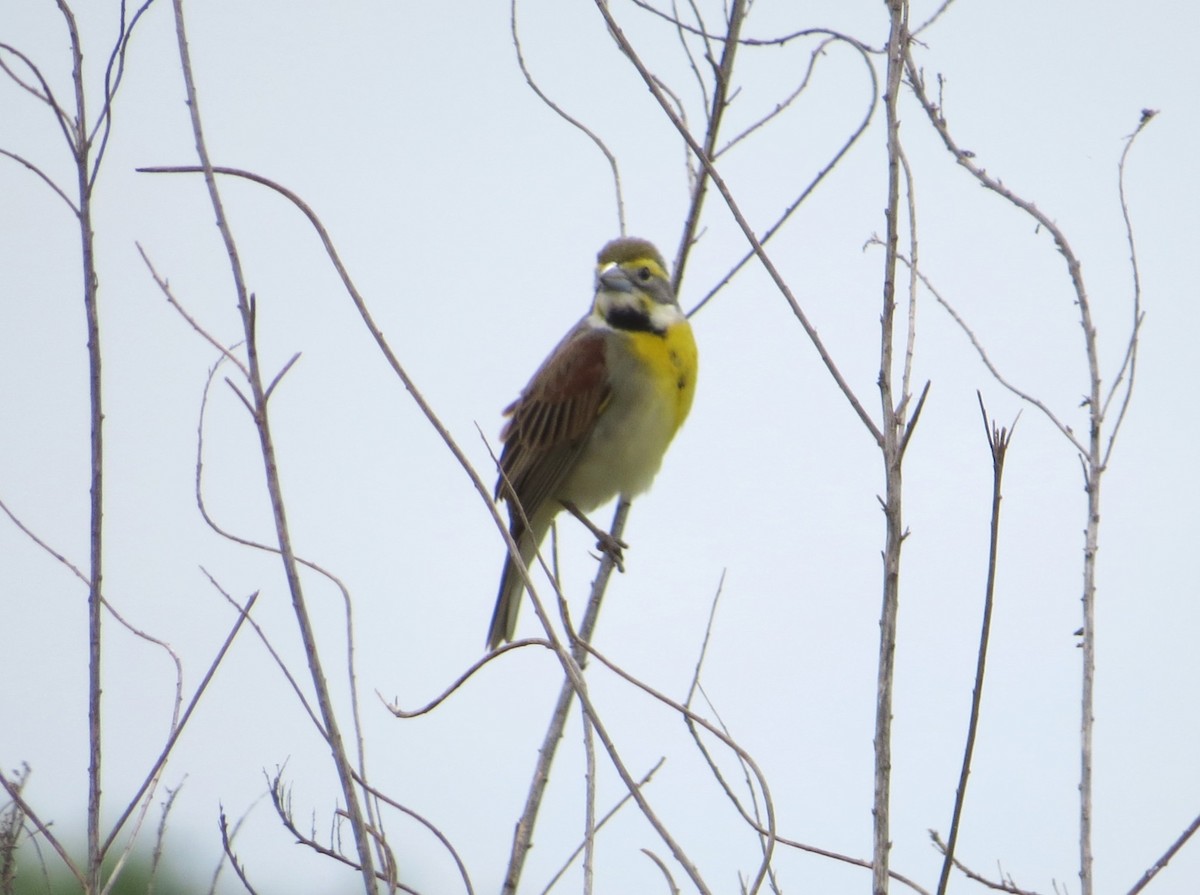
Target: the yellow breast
(672, 361)
(652, 379)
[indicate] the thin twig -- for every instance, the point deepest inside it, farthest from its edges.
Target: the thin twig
(937, 14)
(523, 833)
(722, 78)
(13, 789)
(816, 180)
(911, 331)
(658, 862)
(157, 767)
(719, 182)
(998, 441)
(281, 801)
(1129, 364)
(428, 825)
(482, 489)
(611, 813)
(1006, 885)
(892, 426)
(1166, 856)
(160, 836)
(785, 103)
(334, 738)
(114, 72)
(227, 848)
(46, 95)
(165, 288)
(45, 177)
(1028, 397)
(1092, 457)
(567, 117)
(589, 805)
(769, 806)
(81, 147)
(709, 53)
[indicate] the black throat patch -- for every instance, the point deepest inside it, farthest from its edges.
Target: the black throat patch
(632, 320)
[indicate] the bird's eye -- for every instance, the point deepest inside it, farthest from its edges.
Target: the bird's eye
(644, 274)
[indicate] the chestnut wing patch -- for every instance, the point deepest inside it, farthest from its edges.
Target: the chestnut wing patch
(549, 423)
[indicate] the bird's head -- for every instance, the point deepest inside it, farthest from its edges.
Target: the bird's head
(633, 290)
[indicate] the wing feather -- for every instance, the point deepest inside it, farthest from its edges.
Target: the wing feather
(551, 420)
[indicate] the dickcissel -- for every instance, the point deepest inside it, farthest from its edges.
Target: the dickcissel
(597, 416)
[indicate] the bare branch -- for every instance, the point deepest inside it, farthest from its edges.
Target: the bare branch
(722, 79)
(153, 776)
(1166, 856)
(165, 287)
(783, 105)
(624, 800)
(113, 74)
(428, 825)
(747, 230)
(160, 836)
(1074, 269)
(709, 52)
(1129, 364)
(820, 176)
(279, 376)
(350, 795)
(892, 429)
(1025, 396)
(523, 834)
(227, 847)
(567, 117)
(998, 441)
(45, 177)
(13, 788)
(743, 755)
(45, 94)
(1006, 885)
(671, 887)
(937, 14)
(393, 705)
(589, 810)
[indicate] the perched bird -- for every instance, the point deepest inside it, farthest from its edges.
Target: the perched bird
(597, 416)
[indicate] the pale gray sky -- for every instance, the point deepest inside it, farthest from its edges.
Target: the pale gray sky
(469, 216)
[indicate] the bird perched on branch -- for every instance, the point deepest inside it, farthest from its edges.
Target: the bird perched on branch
(596, 418)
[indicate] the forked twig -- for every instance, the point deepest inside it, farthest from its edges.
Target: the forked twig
(1000, 886)
(342, 765)
(609, 815)
(1093, 454)
(743, 224)
(1129, 364)
(998, 441)
(227, 848)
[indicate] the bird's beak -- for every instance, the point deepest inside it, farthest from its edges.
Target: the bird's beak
(614, 279)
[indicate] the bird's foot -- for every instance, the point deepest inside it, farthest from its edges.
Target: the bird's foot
(607, 544)
(612, 548)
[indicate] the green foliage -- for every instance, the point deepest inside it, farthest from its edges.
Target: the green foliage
(137, 877)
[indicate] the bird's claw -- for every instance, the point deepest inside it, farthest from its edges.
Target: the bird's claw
(613, 548)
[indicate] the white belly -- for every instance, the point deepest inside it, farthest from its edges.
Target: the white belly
(625, 451)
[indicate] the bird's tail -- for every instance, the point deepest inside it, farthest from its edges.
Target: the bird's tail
(512, 585)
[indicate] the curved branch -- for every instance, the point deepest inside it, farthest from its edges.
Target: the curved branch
(46, 95)
(1129, 363)
(113, 83)
(747, 230)
(808, 190)
(45, 177)
(566, 116)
